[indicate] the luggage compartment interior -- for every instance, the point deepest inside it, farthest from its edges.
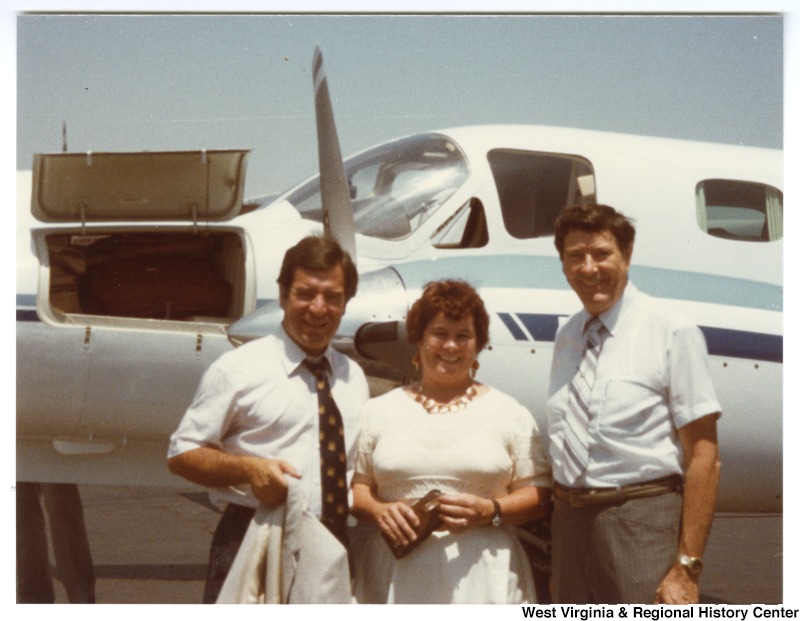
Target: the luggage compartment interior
(191, 276)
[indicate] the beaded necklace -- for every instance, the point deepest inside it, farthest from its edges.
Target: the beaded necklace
(432, 406)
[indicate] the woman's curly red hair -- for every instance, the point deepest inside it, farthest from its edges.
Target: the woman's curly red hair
(456, 299)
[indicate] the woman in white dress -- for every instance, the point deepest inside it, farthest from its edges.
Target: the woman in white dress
(480, 447)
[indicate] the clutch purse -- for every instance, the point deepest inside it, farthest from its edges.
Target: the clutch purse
(429, 521)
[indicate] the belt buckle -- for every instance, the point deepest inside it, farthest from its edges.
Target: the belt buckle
(589, 498)
(608, 497)
(586, 498)
(599, 498)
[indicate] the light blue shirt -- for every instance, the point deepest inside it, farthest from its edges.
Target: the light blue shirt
(260, 400)
(652, 379)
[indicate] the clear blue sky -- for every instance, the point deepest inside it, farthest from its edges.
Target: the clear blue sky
(181, 82)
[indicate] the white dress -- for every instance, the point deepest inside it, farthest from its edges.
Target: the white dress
(490, 448)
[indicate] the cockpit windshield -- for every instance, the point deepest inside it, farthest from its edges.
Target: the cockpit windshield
(395, 187)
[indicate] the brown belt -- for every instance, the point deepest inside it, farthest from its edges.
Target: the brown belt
(582, 497)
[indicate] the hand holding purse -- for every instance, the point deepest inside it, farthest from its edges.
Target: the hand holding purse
(429, 521)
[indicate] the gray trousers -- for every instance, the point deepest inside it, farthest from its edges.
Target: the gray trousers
(617, 554)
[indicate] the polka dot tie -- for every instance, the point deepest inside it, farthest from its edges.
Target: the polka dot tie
(333, 457)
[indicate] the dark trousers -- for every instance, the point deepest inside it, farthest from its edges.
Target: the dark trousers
(73, 558)
(225, 544)
(617, 554)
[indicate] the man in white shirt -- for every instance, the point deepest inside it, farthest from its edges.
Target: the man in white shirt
(255, 419)
(632, 424)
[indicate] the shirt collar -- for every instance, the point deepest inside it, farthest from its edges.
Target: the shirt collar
(614, 315)
(294, 354)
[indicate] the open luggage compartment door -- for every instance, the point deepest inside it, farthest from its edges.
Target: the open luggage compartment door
(135, 187)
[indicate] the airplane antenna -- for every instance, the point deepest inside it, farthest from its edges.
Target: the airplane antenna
(334, 187)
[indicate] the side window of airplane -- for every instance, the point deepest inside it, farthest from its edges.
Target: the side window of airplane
(466, 228)
(740, 210)
(534, 187)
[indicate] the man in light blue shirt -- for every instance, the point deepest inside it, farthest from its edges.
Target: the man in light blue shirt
(632, 430)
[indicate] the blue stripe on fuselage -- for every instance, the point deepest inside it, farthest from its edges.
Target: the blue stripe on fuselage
(515, 330)
(743, 344)
(539, 272)
(541, 327)
(536, 272)
(27, 314)
(720, 341)
(26, 307)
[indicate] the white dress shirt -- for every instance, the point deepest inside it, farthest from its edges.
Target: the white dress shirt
(652, 378)
(260, 400)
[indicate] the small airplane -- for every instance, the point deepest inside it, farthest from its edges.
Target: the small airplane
(135, 271)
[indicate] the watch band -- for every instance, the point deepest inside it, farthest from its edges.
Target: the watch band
(497, 519)
(693, 564)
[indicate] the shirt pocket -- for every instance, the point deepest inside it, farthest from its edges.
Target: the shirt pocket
(631, 406)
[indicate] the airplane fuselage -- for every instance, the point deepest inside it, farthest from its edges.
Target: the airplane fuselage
(99, 391)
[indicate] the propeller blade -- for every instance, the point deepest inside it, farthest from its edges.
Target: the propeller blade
(334, 186)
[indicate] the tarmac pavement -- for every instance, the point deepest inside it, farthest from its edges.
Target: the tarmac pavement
(150, 545)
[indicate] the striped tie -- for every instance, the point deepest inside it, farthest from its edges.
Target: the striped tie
(332, 454)
(575, 455)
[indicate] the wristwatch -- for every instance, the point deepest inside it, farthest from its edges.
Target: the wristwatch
(497, 520)
(693, 564)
